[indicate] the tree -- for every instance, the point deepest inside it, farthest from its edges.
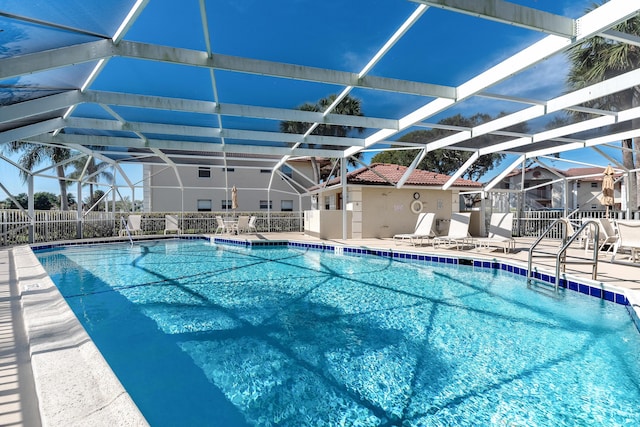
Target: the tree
(447, 161)
(44, 201)
(348, 106)
(21, 198)
(34, 154)
(92, 200)
(89, 166)
(597, 59)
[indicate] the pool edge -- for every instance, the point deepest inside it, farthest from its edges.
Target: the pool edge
(74, 383)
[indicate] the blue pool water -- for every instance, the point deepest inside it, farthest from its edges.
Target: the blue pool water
(203, 334)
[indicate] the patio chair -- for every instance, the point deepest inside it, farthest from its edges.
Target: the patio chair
(628, 238)
(500, 233)
(171, 224)
(608, 236)
(221, 226)
(243, 224)
(133, 225)
(251, 227)
(423, 230)
(458, 234)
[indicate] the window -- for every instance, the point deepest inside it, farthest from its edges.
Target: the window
(578, 184)
(594, 185)
(594, 206)
(204, 205)
(204, 172)
(226, 204)
(228, 169)
(286, 205)
(265, 170)
(327, 202)
(266, 204)
(287, 171)
(507, 185)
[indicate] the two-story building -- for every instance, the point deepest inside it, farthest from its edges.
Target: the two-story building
(574, 188)
(201, 188)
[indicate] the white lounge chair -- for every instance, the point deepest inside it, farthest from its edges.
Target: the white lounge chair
(242, 226)
(171, 224)
(500, 233)
(458, 234)
(251, 227)
(628, 238)
(423, 230)
(133, 225)
(222, 227)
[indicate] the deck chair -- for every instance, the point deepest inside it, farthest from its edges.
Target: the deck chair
(606, 235)
(251, 227)
(628, 238)
(500, 233)
(221, 226)
(171, 224)
(133, 225)
(458, 234)
(243, 224)
(423, 230)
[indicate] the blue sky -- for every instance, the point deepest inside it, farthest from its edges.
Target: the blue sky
(441, 48)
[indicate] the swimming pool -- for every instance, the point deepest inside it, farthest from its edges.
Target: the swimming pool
(205, 334)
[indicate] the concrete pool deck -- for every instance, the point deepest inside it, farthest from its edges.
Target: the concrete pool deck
(52, 373)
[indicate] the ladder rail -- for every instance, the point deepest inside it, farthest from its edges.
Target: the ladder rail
(126, 227)
(566, 242)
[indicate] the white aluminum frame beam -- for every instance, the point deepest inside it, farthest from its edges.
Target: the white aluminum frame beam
(200, 131)
(600, 19)
(109, 141)
(510, 13)
(104, 49)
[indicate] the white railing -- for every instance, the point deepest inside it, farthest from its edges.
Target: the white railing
(17, 228)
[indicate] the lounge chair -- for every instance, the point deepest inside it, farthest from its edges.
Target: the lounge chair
(423, 230)
(171, 224)
(222, 227)
(133, 225)
(606, 235)
(500, 233)
(628, 238)
(458, 234)
(251, 227)
(242, 226)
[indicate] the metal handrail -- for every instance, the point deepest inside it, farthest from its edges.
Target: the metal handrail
(126, 227)
(566, 242)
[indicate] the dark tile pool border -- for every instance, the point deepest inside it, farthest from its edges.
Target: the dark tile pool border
(494, 264)
(600, 291)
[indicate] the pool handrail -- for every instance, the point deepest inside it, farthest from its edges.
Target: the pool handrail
(566, 242)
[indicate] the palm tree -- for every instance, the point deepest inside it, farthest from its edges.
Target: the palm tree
(34, 154)
(348, 106)
(90, 167)
(598, 59)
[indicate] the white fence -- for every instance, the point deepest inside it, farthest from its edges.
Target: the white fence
(17, 228)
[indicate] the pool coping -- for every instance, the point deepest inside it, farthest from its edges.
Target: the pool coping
(74, 383)
(76, 386)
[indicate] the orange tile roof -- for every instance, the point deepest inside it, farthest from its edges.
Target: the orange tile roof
(393, 173)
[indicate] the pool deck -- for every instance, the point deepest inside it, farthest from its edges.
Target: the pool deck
(52, 374)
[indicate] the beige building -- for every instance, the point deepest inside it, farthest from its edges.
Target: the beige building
(375, 208)
(208, 188)
(575, 188)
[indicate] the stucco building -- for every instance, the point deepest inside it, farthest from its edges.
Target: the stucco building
(574, 188)
(376, 208)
